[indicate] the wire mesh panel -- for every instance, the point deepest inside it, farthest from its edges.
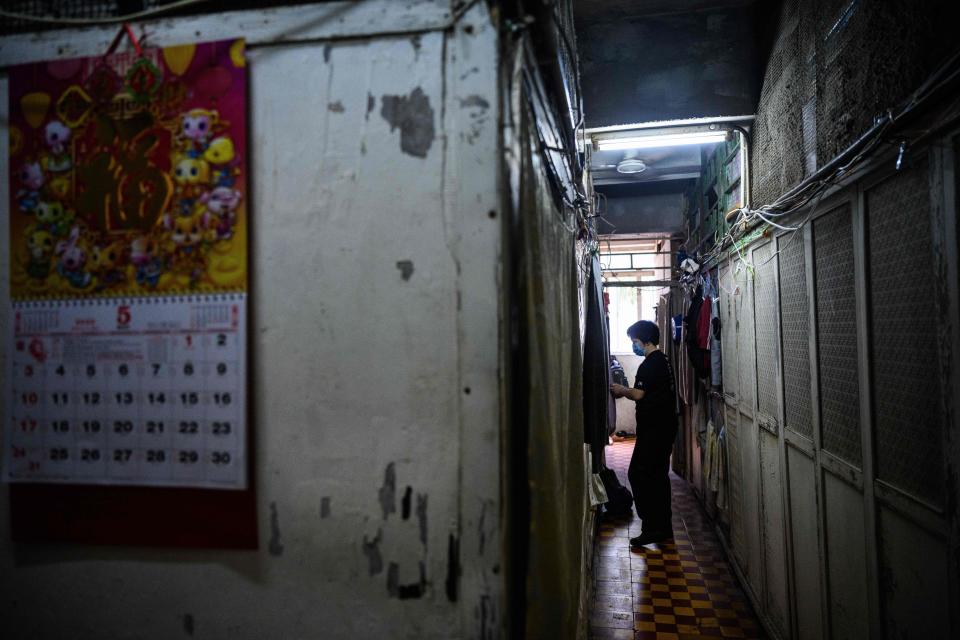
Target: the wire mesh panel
(96, 9)
(906, 377)
(71, 9)
(743, 310)
(765, 306)
(728, 333)
(837, 333)
(795, 329)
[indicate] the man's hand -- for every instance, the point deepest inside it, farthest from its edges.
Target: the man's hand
(619, 391)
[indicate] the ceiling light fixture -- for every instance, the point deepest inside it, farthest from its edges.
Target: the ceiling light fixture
(631, 165)
(660, 140)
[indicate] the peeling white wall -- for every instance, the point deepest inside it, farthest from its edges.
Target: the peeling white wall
(375, 324)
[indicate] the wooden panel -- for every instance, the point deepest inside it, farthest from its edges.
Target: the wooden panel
(750, 470)
(775, 561)
(735, 482)
(806, 547)
(914, 585)
(846, 559)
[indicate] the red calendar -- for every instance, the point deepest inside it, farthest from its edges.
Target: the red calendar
(128, 273)
(128, 391)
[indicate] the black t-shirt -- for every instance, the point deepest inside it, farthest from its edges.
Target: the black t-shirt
(658, 408)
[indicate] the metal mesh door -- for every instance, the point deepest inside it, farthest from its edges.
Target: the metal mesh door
(743, 310)
(906, 374)
(728, 333)
(837, 333)
(765, 305)
(795, 328)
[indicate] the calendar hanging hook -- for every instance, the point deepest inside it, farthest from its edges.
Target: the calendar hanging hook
(125, 30)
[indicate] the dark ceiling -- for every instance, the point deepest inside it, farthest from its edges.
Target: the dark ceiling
(653, 60)
(645, 60)
(615, 9)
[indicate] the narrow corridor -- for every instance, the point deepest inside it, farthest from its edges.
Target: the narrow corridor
(682, 589)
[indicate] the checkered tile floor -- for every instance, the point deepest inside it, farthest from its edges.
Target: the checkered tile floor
(676, 590)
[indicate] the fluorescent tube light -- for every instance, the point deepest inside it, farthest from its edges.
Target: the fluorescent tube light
(662, 140)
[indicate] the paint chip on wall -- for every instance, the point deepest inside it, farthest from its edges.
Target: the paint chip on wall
(406, 269)
(413, 115)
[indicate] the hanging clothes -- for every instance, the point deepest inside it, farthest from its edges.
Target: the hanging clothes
(716, 369)
(703, 337)
(680, 359)
(677, 328)
(696, 327)
(617, 376)
(596, 369)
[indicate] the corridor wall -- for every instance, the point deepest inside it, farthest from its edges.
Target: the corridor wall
(551, 525)
(374, 354)
(840, 465)
(559, 516)
(840, 341)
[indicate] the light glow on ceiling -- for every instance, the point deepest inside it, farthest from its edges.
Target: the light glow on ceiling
(661, 140)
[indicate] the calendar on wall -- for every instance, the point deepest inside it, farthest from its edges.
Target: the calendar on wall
(128, 392)
(128, 233)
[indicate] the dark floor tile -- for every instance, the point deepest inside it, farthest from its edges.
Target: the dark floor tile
(682, 588)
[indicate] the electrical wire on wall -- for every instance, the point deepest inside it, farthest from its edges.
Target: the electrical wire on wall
(748, 223)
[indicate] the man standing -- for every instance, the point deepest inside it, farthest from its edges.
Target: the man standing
(656, 397)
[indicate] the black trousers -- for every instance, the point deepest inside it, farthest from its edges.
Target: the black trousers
(649, 476)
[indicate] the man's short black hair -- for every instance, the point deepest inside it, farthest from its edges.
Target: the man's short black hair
(644, 331)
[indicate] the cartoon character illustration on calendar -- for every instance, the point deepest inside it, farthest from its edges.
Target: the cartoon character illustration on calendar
(72, 263)
(129, 174)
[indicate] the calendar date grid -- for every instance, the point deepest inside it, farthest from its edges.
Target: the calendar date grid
(169, 411)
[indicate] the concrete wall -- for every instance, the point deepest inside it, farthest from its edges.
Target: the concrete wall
(362, 371)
